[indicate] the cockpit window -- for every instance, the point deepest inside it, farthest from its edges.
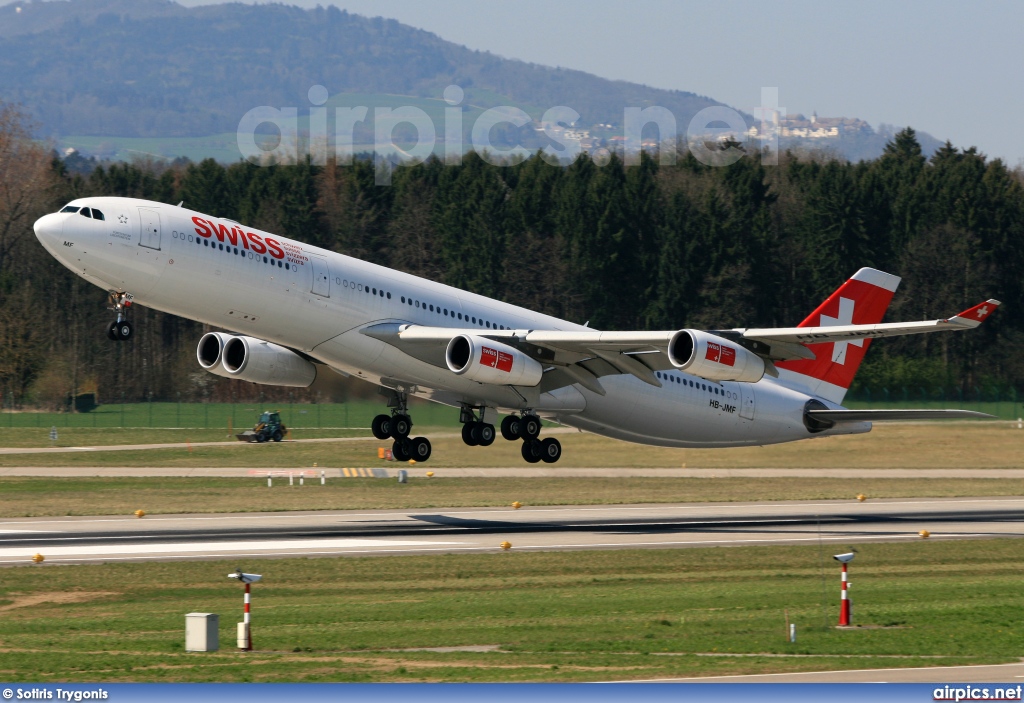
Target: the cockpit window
(84, 212)
(70, 208)
(97, 215)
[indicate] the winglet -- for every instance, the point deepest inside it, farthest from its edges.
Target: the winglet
(972, 317)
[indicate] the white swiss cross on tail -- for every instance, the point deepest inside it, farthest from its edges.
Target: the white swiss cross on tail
(862, 300)
(845, 317)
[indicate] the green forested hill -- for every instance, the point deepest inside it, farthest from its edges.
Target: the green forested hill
(650, 246)
(151, 68)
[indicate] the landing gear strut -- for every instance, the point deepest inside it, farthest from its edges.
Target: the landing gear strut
(121, 329)
(398, 426)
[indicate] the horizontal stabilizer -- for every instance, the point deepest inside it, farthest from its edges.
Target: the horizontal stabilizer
(895, 415)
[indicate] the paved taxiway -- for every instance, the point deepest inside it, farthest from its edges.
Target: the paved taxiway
(379, 532)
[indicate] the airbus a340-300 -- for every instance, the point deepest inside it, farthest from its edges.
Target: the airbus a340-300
(295, 311)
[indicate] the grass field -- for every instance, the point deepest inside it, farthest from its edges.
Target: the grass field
(961, 445)
(37, 497)
(221, 416)
(556, 616)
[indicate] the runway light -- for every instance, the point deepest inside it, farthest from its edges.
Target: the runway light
(380, 452)
(844, 604)
(861, 497)
(925, 534)
(506, 545)
(412, 462)
(245, 627)
(430, 474)
(517, 505)
(38, 558)
(140, 513)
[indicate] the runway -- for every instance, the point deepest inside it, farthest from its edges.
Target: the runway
(456, 530)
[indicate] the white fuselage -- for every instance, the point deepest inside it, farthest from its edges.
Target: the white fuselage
(154, 252)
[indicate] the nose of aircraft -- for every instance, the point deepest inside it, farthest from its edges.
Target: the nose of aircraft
(49, 229)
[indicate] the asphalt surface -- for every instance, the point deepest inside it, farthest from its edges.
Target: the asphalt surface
(381, 532)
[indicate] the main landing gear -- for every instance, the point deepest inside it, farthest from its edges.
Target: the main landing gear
(121, 329)
(397, 426)
(476, 432)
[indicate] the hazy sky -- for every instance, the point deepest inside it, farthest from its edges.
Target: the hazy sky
(952, 69)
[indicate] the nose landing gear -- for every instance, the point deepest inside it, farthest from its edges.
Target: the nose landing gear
(121, 329)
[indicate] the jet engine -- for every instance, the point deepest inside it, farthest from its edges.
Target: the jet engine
(211, 350)
(714, 358)
(254, 360)
(486, 361)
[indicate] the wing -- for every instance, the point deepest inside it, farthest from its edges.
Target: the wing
(584, 356)
(968, 319)
(580, 356)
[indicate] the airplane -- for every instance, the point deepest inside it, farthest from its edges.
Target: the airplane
(295, 312)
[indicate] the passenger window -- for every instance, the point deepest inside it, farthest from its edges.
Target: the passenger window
(70, 208)
(389, 296)
(474, 320)
(460, 315)
(417, 303)
(97, 215)
(403, 298)
(431, 308)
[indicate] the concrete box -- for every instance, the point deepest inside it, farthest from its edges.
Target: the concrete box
(201, 632)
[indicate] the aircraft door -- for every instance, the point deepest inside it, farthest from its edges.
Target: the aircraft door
(321, 277)
(149, 222)
(747, 400)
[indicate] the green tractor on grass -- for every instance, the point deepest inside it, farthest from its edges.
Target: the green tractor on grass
(268, 428)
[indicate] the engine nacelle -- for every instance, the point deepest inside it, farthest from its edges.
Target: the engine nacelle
(714, 358)
(210, 352)
(486, 361)
(257, 361)
(253, 360)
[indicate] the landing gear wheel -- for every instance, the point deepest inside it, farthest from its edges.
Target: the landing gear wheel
(278, 436)
(112, 332)
(401, 426)
(381, 427)
(468, 435)
(485, 434)
(529, 426)
(532, 450)
(420, 449)
(551, 450)
(123, 330)
(510, 428)
(400, 450)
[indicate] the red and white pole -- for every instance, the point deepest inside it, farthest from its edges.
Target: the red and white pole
(248, 628)
(844, 607)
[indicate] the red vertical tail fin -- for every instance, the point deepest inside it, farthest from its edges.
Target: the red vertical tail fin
(862, 300)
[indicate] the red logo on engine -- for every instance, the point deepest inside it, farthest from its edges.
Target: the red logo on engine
(496, 359)
(721, 354)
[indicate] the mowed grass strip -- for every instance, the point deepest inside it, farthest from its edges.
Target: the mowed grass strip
(959, 445)
(38, 497)
(555, 616)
